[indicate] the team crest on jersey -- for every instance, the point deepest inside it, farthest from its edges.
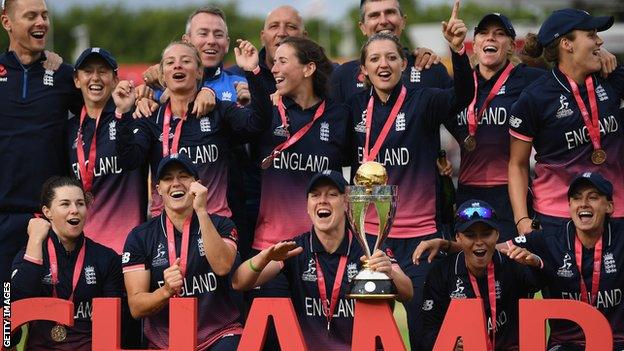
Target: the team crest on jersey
(90, 275)
(414, 75)
(310, 274)
(324, 131)
(501, 91)
(204, 124)
(160, 259)
(399, 123)
(459, 293)
(352, 271)
(281, 131)
(497, 289)
(609, 263)
(226, 96)
(160, 137)
(112, 130)
(361, 126)
(565, 270)
(48, 78)
(515, 121)
(200, 247)
(601, 93)
(564, 110)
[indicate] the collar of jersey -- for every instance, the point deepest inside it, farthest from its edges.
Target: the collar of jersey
(210, 73)
(60, 248)
(393, 95)
(571, 234)
(317, 246)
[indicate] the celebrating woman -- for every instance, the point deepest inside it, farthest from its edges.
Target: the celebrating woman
(570, 117)
(60, 261)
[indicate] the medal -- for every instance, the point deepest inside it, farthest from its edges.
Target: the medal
(58, 333)
(470, 143)
(598, 157)
(266, 162)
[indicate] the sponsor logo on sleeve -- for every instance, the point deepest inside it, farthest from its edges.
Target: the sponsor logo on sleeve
(125, 257)
(515, 121)
(427, 305)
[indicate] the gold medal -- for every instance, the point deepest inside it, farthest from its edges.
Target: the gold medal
(598, 156)
(267, 161)
(470, 143)
(58, 333)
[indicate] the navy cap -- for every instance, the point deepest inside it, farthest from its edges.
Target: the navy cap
(561, 22)
(475, 211)
(595, 179)
(333, 177)
(104, 54)
(180, 159)
(498, 18)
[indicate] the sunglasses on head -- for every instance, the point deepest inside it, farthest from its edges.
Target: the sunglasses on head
(475, 212)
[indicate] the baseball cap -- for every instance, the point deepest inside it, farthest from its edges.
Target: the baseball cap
(104, 54)
(333, 177)
(181, 159)
(498, 18)
(475, 211)
(595, 179)
(563, 21)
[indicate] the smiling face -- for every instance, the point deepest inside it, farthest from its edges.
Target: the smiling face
(288, 72)
(174, 186)
(492, 46)
(27, 24)
(585, 50)
(208, 33)
(383, 64)
(67, 212)
(382, 16)
(326, 207)
(282, 22)
(478, 243)
(180, 68)
(96, 80)
(589, 208)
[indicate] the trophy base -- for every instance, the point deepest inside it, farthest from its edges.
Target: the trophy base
(372, 285)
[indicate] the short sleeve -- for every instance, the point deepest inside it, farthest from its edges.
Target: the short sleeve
(523, 119)
(134, 256)
(226, 229)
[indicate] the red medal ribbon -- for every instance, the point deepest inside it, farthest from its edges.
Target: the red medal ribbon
(185, 243)
(591, 121)
(578, 251)
(300, 133)
(370, 154)
(328, 308)
(472, 110)
(86, 169)
(492, 298)
(54, 267)
(282, 112)
(165, 135)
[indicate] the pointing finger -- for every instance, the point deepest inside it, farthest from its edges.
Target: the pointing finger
(455, 11)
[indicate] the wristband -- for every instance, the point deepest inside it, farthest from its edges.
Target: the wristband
(253, 268)
(520, 220)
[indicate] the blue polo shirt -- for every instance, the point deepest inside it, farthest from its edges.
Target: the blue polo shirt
(347, 79)
(146, 249)
(557, 249)
(487, 164)
(547, 115)
(34, 111)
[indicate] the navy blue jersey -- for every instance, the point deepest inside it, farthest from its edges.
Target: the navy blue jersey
(410, 150)
(547, 115)
(301, 273)
(487, 164)
(206, 140)
(557, 249)
(283, 198)
(217, 315)
(448, 279)
(118, 193)
(100, 277)
(347, 79)
(34, 106)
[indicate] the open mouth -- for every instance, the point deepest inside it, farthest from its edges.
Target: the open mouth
(585, 216)
(96, 87)
(279, 80)
(480, 253)
(490, 49)
(73, 221)
(384, 75)
(210, 52)
(179, 76)
(177, 194)
(323, 213)
(39, 34)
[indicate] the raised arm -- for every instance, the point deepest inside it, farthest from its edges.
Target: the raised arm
(264, 266)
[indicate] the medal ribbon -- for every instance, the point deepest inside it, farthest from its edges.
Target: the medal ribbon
(86, 169)
(591, 121)
(329, 308)
(492, 298)
(472, 110)
(185, 240)
(165, 136)
(54, 267)
(578, 251)
(299, 134)
(282, 112)
(370, 154)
